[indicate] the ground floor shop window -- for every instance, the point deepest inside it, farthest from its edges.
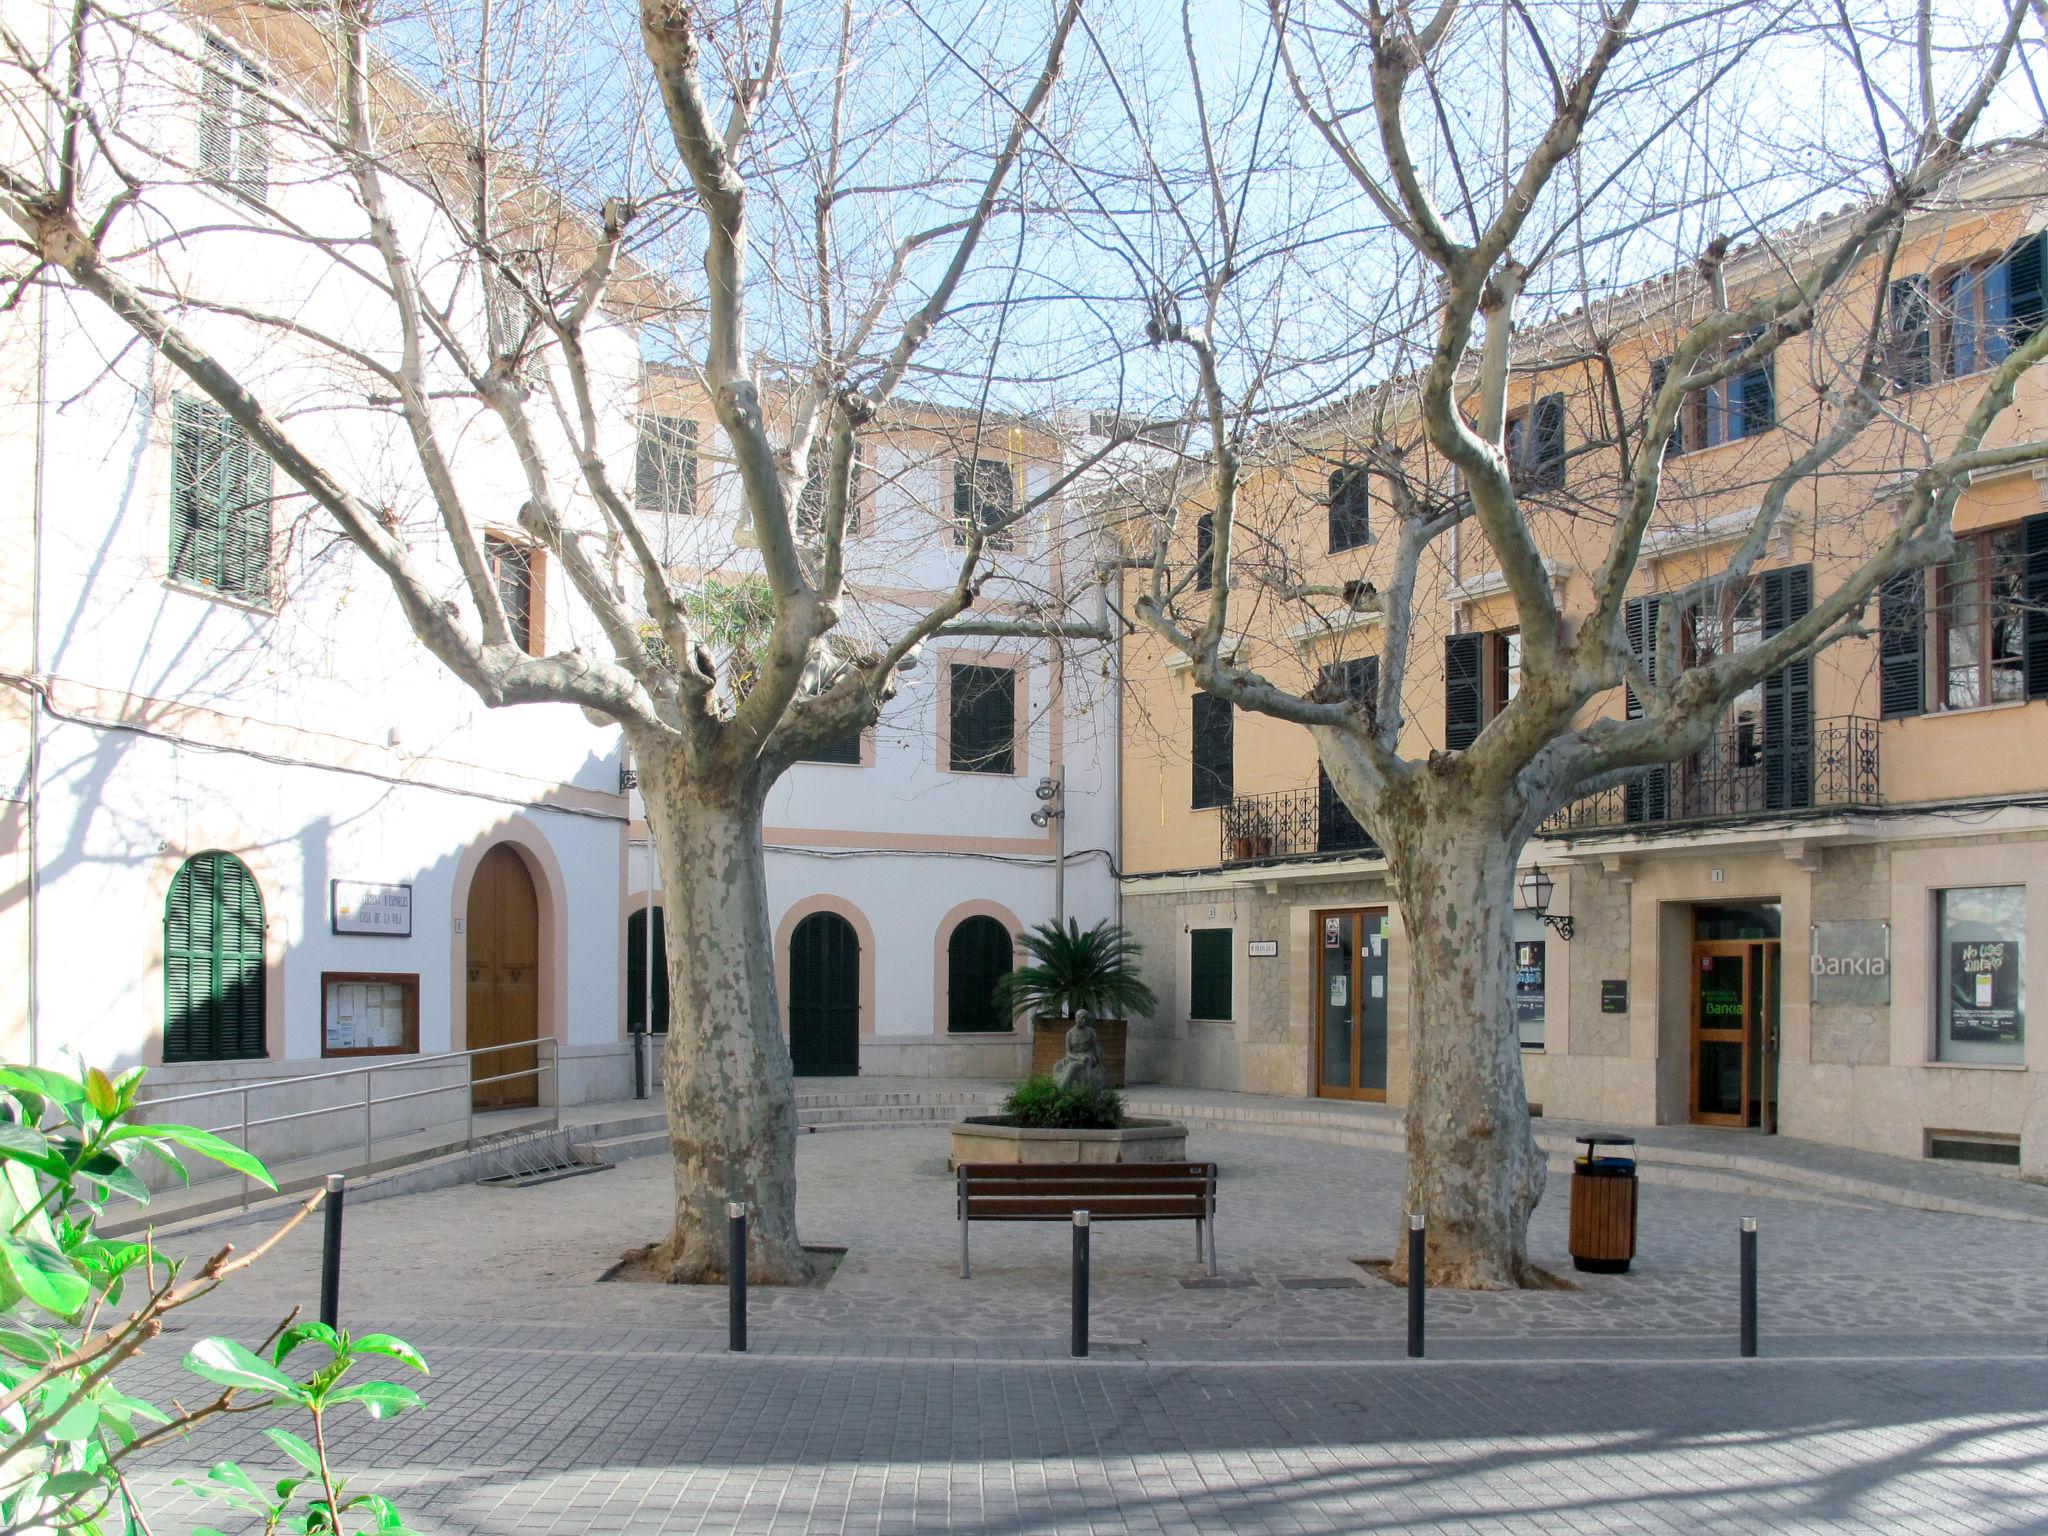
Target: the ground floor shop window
(1530, 970)
(1981, 1003)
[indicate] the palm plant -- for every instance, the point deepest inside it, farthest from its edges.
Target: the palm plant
(1075, 969)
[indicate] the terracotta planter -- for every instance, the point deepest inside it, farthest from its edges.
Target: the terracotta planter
(1049, 1044)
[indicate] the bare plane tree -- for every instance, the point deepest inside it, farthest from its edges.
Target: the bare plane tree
(487, 333)
(1510, 150)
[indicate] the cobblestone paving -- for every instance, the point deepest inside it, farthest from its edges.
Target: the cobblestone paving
(1907, 1388)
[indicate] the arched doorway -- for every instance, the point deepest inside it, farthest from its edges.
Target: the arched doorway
(824, 997)
(504, 980)
(979, 954)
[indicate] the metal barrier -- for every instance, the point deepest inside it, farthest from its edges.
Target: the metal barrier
(545, 1066)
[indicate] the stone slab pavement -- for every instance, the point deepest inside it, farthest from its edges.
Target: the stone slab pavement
(1905, 1384)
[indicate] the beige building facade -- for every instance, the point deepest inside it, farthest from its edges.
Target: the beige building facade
(1831, 922)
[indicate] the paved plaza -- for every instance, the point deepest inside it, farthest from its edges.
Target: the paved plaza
(1905, 1384)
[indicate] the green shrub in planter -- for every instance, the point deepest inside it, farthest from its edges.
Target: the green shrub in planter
(1039, 1103)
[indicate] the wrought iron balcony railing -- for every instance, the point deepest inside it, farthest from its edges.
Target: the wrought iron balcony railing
(1290, 824)
(1738, 775)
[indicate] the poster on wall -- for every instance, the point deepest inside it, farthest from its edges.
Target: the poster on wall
(1332, 932)
(1984, 990)
(367, 1014)
(1528, 996)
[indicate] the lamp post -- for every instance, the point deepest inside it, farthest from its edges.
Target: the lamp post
(1534, 889)
(1052, 792)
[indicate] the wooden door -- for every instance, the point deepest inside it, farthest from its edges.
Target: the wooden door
(824, 997)
(1351, 1003)
(504, 981)
(1724, 996)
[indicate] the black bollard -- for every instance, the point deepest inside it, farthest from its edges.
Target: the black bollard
(1749, 1287)
(1080, 1341)
(736, 1276)
(1418, 1287)
(330, 1254)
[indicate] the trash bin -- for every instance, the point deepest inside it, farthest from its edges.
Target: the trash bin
(1604, 1205)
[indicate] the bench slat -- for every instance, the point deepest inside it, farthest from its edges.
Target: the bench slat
(1084, 1172)
(1158, 1208)
(997, 1190)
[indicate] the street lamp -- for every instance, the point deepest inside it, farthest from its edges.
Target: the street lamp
(1052, 808)
(1534, 888)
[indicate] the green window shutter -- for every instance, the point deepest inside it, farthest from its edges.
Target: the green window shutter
(213, 962)
(637, 975)
(221, 489)
(983, 723)
(979, 954)
(1209, 973)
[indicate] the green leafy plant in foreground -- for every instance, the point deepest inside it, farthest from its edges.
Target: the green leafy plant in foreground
(68, 1432)
(1042, 1104)
(327, 1505)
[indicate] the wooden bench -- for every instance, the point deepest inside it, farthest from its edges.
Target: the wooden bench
(1106, 1191)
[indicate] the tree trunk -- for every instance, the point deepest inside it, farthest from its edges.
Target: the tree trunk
(1474, 1170)
(725, 1074)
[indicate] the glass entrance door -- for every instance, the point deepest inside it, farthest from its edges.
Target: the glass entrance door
(1734, 1032)
(1351, 1003)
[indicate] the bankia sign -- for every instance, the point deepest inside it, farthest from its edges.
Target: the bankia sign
(1852, 962)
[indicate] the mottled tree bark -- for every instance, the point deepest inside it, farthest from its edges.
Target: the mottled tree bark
(1474, 1170)
(726, 1075)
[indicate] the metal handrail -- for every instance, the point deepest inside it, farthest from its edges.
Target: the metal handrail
(548, 1064)
(315, 1077)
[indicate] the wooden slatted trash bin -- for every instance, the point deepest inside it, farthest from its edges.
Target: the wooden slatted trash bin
(1604, 1205)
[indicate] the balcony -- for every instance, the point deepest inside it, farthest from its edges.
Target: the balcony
(1291, 824)
(1737, 776)
(1740, 776)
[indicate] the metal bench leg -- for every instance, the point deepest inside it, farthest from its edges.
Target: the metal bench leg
(1212, 1247)
(1198, 1239)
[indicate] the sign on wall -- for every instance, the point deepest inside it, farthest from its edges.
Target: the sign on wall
(1529, 980)
(1852, 962)
(364, 907)
(1262, 949)
(1614, 997)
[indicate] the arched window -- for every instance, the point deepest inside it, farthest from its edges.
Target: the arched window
(637, 972)
(978, 955)
(213, 962)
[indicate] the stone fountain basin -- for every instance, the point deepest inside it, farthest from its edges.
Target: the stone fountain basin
(993, 1139)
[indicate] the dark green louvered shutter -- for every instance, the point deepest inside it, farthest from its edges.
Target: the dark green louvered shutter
(245, 518)
(1205, 550)
(1464, 690)
(2034, 554)
(1215, 751)
(1660, 370)
(979, 953)
(1901, 648)
(1788, 695)
(1909, 357)
(1647, 797)
(1546, 444)
(637, 974)
(2027, 292)
(1209, 973)
(1337, 830)
(983, 720)
(213, 962)
(221, 490)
